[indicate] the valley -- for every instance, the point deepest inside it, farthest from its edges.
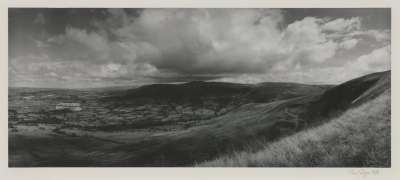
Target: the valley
(172, 124)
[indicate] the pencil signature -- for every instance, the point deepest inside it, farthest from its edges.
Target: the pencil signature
(364, 172)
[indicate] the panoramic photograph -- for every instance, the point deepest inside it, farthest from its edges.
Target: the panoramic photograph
(190, 87)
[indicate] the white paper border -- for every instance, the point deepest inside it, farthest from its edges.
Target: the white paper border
(200, 173)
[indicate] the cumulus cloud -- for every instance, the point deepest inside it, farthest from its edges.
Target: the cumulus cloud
(206, 41)
(343, 25)
(306, 43)
(378, 35)
(247, 44)
(211, 41)
(91, 40)
(377, 60)
(349, 43)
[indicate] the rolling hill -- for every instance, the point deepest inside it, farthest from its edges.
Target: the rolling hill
(252, 122)
(199, 94)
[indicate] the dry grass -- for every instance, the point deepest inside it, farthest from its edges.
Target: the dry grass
(358, 138)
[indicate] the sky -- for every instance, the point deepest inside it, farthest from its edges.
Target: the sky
(81, 48)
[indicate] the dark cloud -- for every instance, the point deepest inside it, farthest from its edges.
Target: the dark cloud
(373, 18)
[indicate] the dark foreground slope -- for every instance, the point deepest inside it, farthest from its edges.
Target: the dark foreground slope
(351, 93)
(266, 112)
(360, 137)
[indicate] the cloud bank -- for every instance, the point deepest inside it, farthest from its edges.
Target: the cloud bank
(235, 45)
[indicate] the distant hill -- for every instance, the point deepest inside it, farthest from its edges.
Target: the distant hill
(188, 90)
(262, 92)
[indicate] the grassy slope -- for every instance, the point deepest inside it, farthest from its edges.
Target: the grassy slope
(358, 138)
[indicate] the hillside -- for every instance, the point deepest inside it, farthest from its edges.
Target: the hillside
(358, 138)
(351, 93)
(186, 124)
(196, 103)
(263, 92)
(243, 126)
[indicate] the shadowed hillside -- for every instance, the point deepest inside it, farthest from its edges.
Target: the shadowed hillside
(360, 137)
(263, 92)
(351, 93)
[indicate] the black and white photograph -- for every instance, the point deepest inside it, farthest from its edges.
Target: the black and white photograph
(199, 87)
